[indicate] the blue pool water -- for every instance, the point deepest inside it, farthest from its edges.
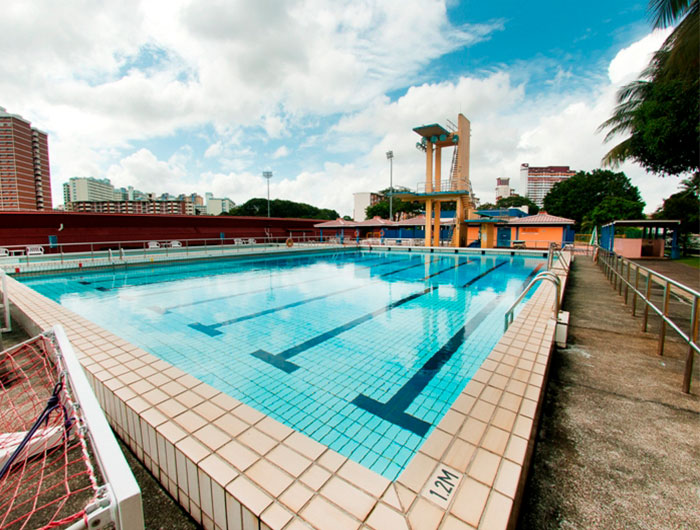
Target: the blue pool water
(362, 351)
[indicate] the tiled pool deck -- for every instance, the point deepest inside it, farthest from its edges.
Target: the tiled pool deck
(233, 467)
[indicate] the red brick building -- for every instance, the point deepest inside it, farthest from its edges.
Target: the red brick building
(25, 177)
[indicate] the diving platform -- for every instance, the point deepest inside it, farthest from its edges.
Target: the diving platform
(434, 191)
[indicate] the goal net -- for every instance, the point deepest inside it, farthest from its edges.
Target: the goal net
(60, 465)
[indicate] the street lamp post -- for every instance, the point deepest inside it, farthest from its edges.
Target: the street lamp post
(390, 156)
(268, 176)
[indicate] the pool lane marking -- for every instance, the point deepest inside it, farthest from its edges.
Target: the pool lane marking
(205, 273)
(451, 267)
(164, 310)
(167, 310)
(477, 278)
(394, 410)
(212, 329)
(281, 360)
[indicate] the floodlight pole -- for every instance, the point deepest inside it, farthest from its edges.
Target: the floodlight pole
(390, 156)
(268, 176)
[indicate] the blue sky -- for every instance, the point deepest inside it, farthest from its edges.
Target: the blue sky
(182, 96)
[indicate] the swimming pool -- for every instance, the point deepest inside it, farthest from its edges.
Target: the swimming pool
(362, 351)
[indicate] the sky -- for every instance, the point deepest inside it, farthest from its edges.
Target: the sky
(203, 96)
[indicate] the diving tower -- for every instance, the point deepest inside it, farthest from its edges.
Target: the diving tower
(435, 191)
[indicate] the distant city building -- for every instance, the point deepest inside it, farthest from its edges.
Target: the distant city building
(25, 176)
(216, 206)
(503, 189)
(535, 182)
(162, 207)
(363, 200)
(89, 189)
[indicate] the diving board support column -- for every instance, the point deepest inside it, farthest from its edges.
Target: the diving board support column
(437, 208)
(457, 236)
(428, 189)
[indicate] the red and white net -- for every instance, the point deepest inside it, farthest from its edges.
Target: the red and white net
(47, 479)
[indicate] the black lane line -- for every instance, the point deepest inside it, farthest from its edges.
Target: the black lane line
(477, 278)
(202, 273)
(212, 329)
(451, 267)
(281, 360)
(164, 310)
(394, 410)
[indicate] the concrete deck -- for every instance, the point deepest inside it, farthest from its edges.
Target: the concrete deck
(619, 443)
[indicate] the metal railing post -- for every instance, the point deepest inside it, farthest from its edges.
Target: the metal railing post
(646, 305)
(688, 372)
(662, 330)
(627, 283)
(636, 288)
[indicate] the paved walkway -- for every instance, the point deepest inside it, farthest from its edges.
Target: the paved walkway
(619, 443)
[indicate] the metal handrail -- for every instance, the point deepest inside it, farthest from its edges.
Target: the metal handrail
(544, 275)
(554, 251)
(619, 273)
(454, 184)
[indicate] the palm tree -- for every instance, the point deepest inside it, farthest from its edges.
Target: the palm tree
(683, 43)
(676, 61)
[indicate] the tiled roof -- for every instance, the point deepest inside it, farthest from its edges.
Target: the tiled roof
(542, 219)
(375, 221)
(338, 223)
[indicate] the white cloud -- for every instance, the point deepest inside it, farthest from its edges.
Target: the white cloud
(630, 61)
(145, 172)
(280, 152)
(227, 76)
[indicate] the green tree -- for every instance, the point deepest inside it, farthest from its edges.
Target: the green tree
(660, 110)
(381, 208)
(685, 207)
(515, 201)
(282, 208)
(611, 209)
(577, 197)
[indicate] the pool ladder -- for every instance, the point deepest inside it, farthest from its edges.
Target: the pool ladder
(545, 275)
(553, 252)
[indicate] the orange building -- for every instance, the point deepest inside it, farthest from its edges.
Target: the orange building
(538, 231)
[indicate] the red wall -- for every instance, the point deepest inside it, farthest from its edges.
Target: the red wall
(23, 228)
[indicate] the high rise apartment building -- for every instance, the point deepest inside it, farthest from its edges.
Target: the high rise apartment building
(155, 207)
(503, 189)
(89, 189)
(535, 182)
(25, 177)
(362, 201)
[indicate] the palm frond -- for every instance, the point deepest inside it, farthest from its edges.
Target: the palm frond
(681, 48)
(664, 13)
(617, 154)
